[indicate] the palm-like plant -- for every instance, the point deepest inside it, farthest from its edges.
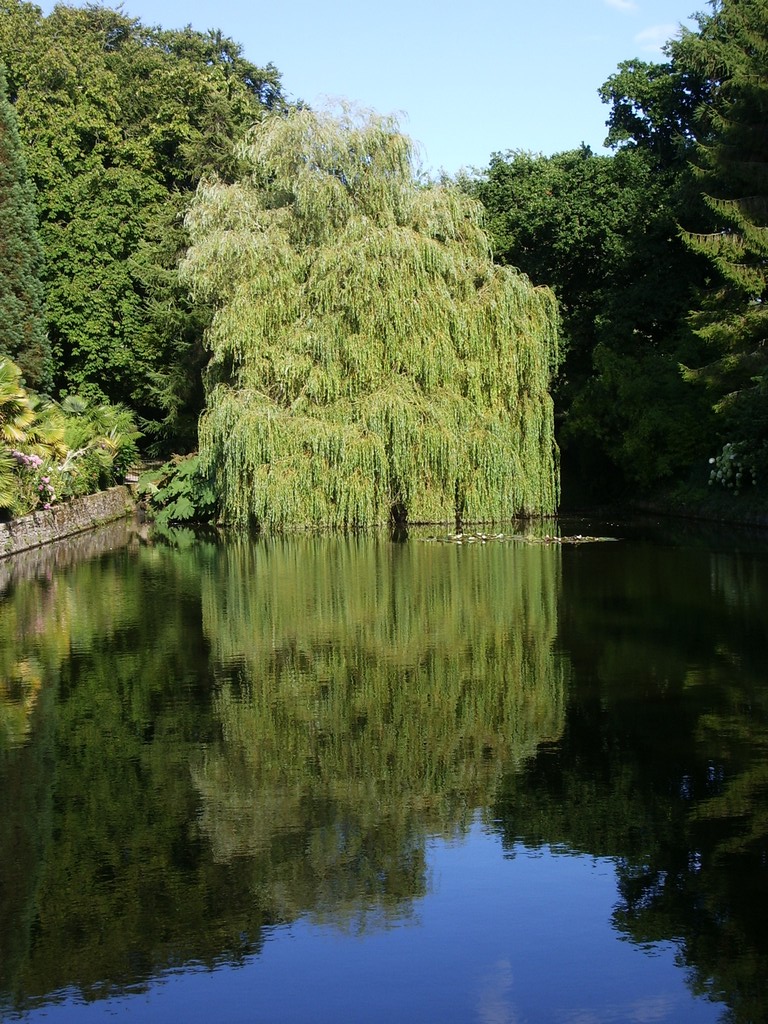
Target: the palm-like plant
(80, 447)
(8, 480)
(101, 443)
(16, 416)
(45, 435)
(16, 409)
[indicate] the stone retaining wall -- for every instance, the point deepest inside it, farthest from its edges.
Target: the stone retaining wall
(65, 520)
(44, 561)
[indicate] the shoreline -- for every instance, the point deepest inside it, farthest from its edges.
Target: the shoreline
(43, 527)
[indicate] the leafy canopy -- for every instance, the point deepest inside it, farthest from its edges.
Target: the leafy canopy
(22, 325)
(601, 232)
(119, 122)
(731, 161)
(369, 361)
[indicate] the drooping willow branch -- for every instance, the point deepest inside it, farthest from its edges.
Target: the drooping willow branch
(368, 359)
(397, 681)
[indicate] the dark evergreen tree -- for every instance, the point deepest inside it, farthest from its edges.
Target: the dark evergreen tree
(22, 324)
(731, 161)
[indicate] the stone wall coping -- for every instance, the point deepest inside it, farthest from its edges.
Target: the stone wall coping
(46, 525)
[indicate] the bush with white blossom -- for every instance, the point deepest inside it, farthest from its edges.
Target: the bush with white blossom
(734, 467)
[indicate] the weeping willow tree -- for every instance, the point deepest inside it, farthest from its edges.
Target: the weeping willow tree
(370, 695)
(369, 362)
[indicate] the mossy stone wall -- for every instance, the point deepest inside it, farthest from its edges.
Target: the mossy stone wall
(62, 521)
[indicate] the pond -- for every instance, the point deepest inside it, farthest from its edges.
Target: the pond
(325, 779)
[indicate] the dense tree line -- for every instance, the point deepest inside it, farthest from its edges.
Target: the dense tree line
(602, 231)
(657, 256)
(731, 164)
(48, 450)
(655, 253)
(119, 123)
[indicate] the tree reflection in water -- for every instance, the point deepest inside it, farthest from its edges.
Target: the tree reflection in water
(199, 742)
(237, 734)
(370, 694)
(663, 763)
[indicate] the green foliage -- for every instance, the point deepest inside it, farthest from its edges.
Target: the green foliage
(247, 733)
(739, 465)
(30, 441)
(22, 323)
(50, 452)
(101, 445)
(369, 361)
(179, 492)
(120, 121)
(16, 409)
(601, 231)
(654, 108)
(731, 49)
(37, 484)
(8, 484)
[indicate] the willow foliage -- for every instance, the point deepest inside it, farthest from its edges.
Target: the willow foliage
(369, 362)
(394, 685)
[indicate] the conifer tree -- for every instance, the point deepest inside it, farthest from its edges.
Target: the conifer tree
(732, 163)
(369, 361)
(22, 327)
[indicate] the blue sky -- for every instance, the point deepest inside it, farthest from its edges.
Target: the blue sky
(468, 79)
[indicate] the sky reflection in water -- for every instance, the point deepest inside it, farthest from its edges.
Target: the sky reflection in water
(344, 780)
(500, 939)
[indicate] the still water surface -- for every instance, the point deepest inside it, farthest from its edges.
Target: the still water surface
(348, 779)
